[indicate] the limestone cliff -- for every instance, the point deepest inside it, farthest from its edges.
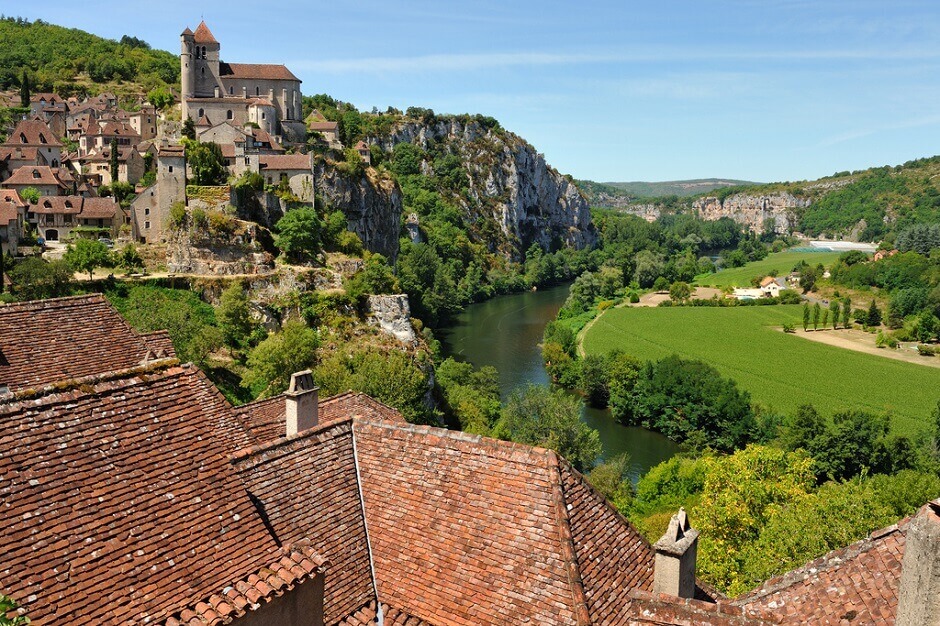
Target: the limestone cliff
(372, 204)
(509, 184)
(755, 212)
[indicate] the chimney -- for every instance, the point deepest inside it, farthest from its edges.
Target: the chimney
(215, 91)
(674, 568)
(919, 592)
(301, 401)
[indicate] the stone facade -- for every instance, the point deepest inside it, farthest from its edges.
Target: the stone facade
(150, 211)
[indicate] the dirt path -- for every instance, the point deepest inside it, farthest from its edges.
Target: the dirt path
(861, 341)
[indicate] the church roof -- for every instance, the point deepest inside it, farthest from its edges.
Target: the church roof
(256, 71)
(203, 34)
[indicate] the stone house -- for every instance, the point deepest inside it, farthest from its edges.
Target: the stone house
(295, 169)
(12, 214)
(96, 165)
(46, 180)
(39, 102)
(55, 217)
(144, 121)
(14, 157)
(363, 149)
(266, 94)
(150, 210)
(35, 133)
(100, 135)
(317, 123)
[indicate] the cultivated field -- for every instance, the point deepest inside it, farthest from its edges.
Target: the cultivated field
(779, 370)
(782, 262)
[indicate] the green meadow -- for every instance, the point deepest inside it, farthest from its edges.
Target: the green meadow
(781, 262)
(781, 371)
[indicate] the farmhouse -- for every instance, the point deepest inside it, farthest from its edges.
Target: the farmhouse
(299, 511)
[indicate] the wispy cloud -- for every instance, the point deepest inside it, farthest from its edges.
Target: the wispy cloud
(929, 120)
(490, 60)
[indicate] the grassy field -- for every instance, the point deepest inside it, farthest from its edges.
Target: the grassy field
(782, 262)
(779, 370)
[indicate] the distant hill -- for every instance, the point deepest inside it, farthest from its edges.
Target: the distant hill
(682, 188)
(69, 60)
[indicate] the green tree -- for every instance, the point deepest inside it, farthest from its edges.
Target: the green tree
(113, 163)
(298, 234)
(825, 318)
(189, 129)
(679, 292)
(207, 163)
(129, 259)
(816, 311)
(741, 493)
(24, 90)
(471, 395)
(375, 277)
(874, 315)
(35, 279)
(8, 604)
(31, 195)
(834, 309)
(234, 316)
(805, 316)
(537, 416)
(161, 97)
(612, 479)
(846, 312)
(271, 362)
(594, 380)
(85, 255)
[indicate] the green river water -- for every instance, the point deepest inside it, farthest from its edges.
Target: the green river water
(505, 332)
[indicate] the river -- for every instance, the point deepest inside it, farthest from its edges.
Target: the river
(505, 332)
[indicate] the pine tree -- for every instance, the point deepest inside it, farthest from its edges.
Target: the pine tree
(874, 315)
(825, 318)
(113, 161)
(816, 311)
(805, 316)
(24, 90)
(834, 307)
(846, 312)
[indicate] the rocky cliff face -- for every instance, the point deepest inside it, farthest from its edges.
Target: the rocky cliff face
(393, 315)
(755, 212)
(509, 183)
(372, 205)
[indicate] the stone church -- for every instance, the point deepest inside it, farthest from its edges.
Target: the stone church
(241, 93)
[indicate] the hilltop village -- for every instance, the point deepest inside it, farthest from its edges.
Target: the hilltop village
(133, 491)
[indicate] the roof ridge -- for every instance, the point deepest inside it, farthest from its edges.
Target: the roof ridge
(245, 453)
(62, 390)
(500, 445)
(828, 561)
(568, 550)
(48, 303)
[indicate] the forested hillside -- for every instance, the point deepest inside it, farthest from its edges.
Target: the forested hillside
(69, 60)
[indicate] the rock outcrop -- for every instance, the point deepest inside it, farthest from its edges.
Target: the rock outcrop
(392, 314)
(372, 204)
(509, 184)
(755, 212)
(189, 252)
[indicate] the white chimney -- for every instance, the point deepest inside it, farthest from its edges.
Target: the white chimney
(919, 592)
(674, 567)
(301, 410)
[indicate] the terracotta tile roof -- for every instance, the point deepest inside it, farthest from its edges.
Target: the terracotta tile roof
(113, 493)
(315, 116)
(63, 205)
(264, 419)
(30, 175)
(308, 489)
(323, 126)
(260, 102)
(118, 129)
(368, 615)
(33, 132)
(285, 161)
(45, 341)
(858, 583)
(255, 71)
(293, 568)
(21, 153)
(203, 34)
(10, 205)
(99, 208)
(104, 154)
(467, 530)
(46, 97)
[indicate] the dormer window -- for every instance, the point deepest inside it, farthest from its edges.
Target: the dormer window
(36, 174)
(228, 114)
(47, 204)
(23, 138)
(42, 138)
(257, 91)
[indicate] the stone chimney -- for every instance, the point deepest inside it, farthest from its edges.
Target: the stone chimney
(919, 592)
(301, 410)
(674, 568)
(215, 91)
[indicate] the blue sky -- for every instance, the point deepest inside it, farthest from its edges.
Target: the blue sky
(761, 90)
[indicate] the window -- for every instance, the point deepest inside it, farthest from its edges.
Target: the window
(42, 138)
(202, 112)
(231, 91)
(228, 114)
(171, 169)
(147, 225)
(146, 211)
(257, 93)
(262, 116)
(203, 72)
